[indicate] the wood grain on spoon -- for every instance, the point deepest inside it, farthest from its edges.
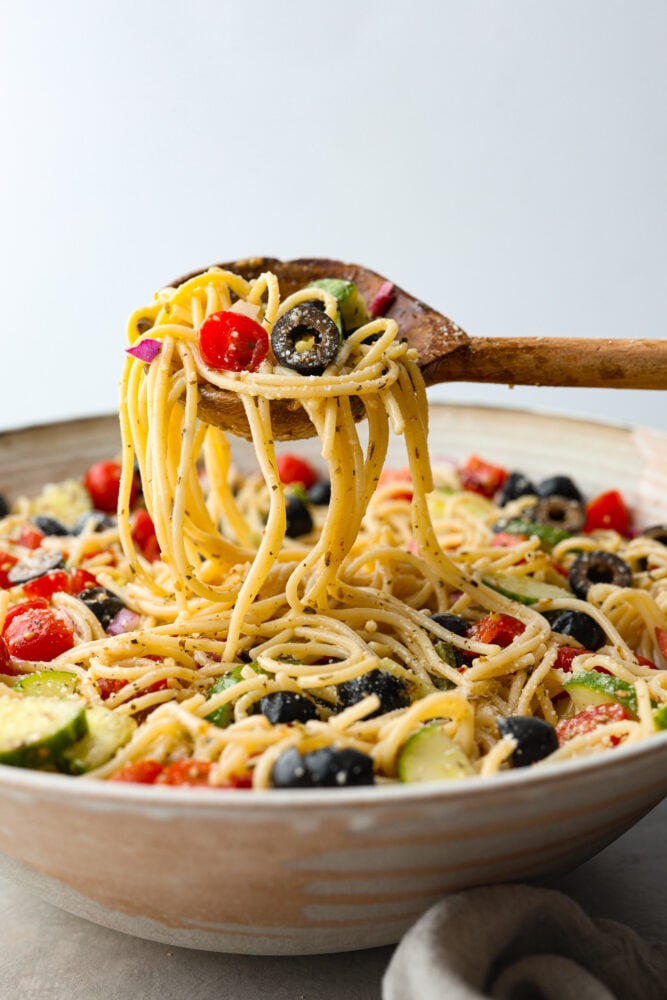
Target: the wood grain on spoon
(446, 353)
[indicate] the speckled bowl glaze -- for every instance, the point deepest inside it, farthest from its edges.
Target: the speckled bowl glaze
(305, 871)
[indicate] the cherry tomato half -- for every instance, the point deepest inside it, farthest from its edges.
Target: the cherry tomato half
(478, 476)
(39, 633)
(608, 512)
(6, 563)
(293, 469)
(143, 534)
(590, 719)
(102, 481)
(144, 772)
(80, 580)
(233, 342)
(186, 772)
(48, 584)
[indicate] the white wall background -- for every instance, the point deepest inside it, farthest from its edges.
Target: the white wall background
(505, 161)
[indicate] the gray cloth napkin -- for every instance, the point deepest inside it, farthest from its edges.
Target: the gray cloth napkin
(520, 942)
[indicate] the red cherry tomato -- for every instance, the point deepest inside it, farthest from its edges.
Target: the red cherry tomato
(478, 476)
(30, 537)
(496, 628)
(48, 585)
(22, 608)
(81, 579)
(186, 772)
(503, 540)
(397, 476)
(233, 342)
(588, 720)
(293, 469)
(102, 481)
(6, 666)
(608, 512)
(6, 563)
(143, 533)
(38, 634)
(661, 639)
(144, 772)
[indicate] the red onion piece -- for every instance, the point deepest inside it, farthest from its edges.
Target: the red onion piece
(384, 298)
(124, 621)
(146, 350)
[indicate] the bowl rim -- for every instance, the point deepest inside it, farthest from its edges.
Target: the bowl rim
(278, 799)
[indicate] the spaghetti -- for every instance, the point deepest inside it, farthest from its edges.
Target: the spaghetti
(248, 656)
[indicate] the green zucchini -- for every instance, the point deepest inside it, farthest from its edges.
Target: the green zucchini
(351, 305)
(660, 717)
(547, 533)
(593, 688)
(524, 589)
(431, 755)
(107, 733)
(48, 683)
(35, 730)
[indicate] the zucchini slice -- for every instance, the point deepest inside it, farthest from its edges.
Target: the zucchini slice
(431, 755)
(48, 683)
(524, 589)
(593, 688)
(107, 733)
(34, 731)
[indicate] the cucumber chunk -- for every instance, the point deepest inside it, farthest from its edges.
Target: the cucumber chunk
(224, 716)
(351, 305)
(660, 717)
(431, 755)
(524, 589)
(35, 730)
(592, 688)
(107, 733)
(48, 683)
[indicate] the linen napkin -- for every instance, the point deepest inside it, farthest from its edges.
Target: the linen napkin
(521, 942)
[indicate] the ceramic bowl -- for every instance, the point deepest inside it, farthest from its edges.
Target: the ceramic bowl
(297, 872)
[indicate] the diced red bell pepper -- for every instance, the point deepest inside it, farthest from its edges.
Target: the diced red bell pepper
(478, 476)
(608, 512)
(588, 720)
(496, 628)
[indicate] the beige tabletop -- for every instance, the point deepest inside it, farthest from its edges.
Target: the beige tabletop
(46, 954)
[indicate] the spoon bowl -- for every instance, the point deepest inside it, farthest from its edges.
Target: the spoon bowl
(445, 352)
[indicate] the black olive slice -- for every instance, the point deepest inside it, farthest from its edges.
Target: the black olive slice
(561, 486)
(581, 627)
(598, 567)
(535, 738)
(4, 505)
(287, 706)
(516, 485)
(305, 339)
(50, 525)
(559, 512)
(389, 689)
(104, 605)
(36, 565)
(658, 532)
(298, 518)
(328, 767)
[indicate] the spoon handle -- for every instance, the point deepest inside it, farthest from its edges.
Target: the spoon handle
(562, 361)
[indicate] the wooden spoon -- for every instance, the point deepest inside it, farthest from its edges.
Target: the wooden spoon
(446, 353)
